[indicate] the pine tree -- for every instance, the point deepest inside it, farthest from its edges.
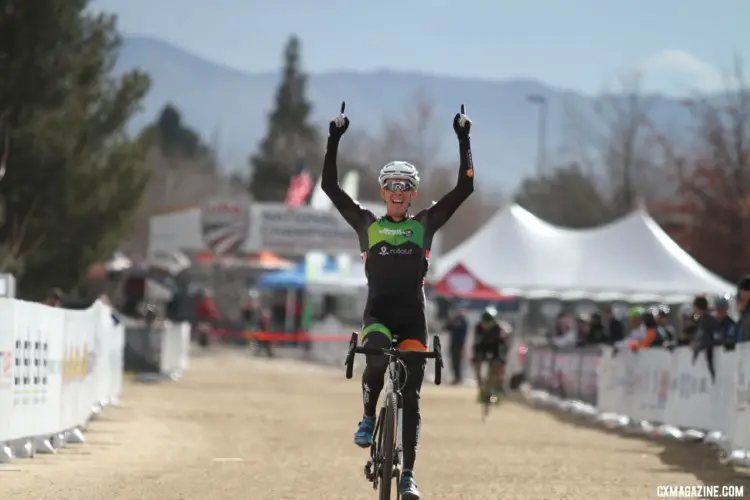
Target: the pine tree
(175, 139)
(73, 177)
(289, 135)
(9, 262)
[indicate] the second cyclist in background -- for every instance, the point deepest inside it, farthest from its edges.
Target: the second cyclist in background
(490, 346)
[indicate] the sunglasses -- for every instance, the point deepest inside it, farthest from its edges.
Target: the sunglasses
(397, 186)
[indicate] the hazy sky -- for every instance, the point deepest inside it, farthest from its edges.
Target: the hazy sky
(578, 44)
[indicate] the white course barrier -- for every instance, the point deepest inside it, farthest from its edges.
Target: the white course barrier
(157, 351)
(662, 393)
(175, 349)
(58, 368)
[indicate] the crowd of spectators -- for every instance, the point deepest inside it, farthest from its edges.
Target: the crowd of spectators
(703, 324)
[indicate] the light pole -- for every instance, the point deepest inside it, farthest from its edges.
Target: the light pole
(541, 142)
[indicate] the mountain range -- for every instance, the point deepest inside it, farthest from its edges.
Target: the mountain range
(229, 108)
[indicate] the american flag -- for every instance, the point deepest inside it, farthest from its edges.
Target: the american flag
(300, 186)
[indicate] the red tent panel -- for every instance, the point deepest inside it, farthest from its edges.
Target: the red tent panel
(461, 283)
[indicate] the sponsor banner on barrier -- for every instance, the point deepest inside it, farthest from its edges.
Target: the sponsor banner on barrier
(6, 369)
(55, 366)
(707, 391)
(568, 373)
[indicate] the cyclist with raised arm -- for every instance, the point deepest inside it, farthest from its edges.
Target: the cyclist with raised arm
(396, 251)
(490, 346)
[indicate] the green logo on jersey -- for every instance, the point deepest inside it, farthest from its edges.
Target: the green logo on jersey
(395, 233)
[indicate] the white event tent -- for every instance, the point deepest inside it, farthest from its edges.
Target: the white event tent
(631, 260)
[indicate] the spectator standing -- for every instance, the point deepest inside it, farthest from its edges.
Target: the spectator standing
(705, 328)
(613, 326)
(688, 326)
(597, 331)
(704, 324)
(663, 328)
(741, 331)
(637, 329)
(566, 332)
(724, 323)
(206, 315)
(256, 321)
(457, 327)
(205, 307)
(54, 298)
(299, 328)
(279, 312)
(651, 336)
(583, 329)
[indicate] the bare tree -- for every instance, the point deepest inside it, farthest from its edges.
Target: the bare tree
(566, 196)
(714, 195)
(420, 133)
(411, 137)
(622, 145)
(177, 184)
(470, 216)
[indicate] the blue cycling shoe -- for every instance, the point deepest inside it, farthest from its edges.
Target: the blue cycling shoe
(407, 488)
(363, 436)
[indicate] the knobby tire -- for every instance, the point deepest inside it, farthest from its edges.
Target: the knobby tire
(489, 386)
(388, 445)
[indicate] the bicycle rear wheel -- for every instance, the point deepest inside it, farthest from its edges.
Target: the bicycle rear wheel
(388, 445)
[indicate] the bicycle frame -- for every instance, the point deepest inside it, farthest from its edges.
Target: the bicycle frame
(393, 385)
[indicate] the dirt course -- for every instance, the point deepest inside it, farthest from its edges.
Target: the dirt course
(239, 428)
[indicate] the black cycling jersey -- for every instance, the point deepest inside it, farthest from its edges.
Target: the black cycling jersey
(396, 253)
(489, 342)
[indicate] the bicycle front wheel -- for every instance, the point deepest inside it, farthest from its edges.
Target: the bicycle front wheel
(388, 447)
(487, 391)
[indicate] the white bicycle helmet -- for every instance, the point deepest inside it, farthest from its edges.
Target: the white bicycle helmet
(399, 170)
(489, 314)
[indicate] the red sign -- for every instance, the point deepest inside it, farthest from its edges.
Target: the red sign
(224, 225)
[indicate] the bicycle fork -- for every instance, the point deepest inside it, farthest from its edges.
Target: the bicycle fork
(399, 451)
(372, 467)
(374, 463)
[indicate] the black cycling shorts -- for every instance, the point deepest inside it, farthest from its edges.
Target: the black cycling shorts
(488, 353)
(409, 336)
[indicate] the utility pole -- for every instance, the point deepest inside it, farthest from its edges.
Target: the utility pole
(541, 142)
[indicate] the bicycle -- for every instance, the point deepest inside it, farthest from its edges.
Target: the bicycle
(489, 395)
(386, 451)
